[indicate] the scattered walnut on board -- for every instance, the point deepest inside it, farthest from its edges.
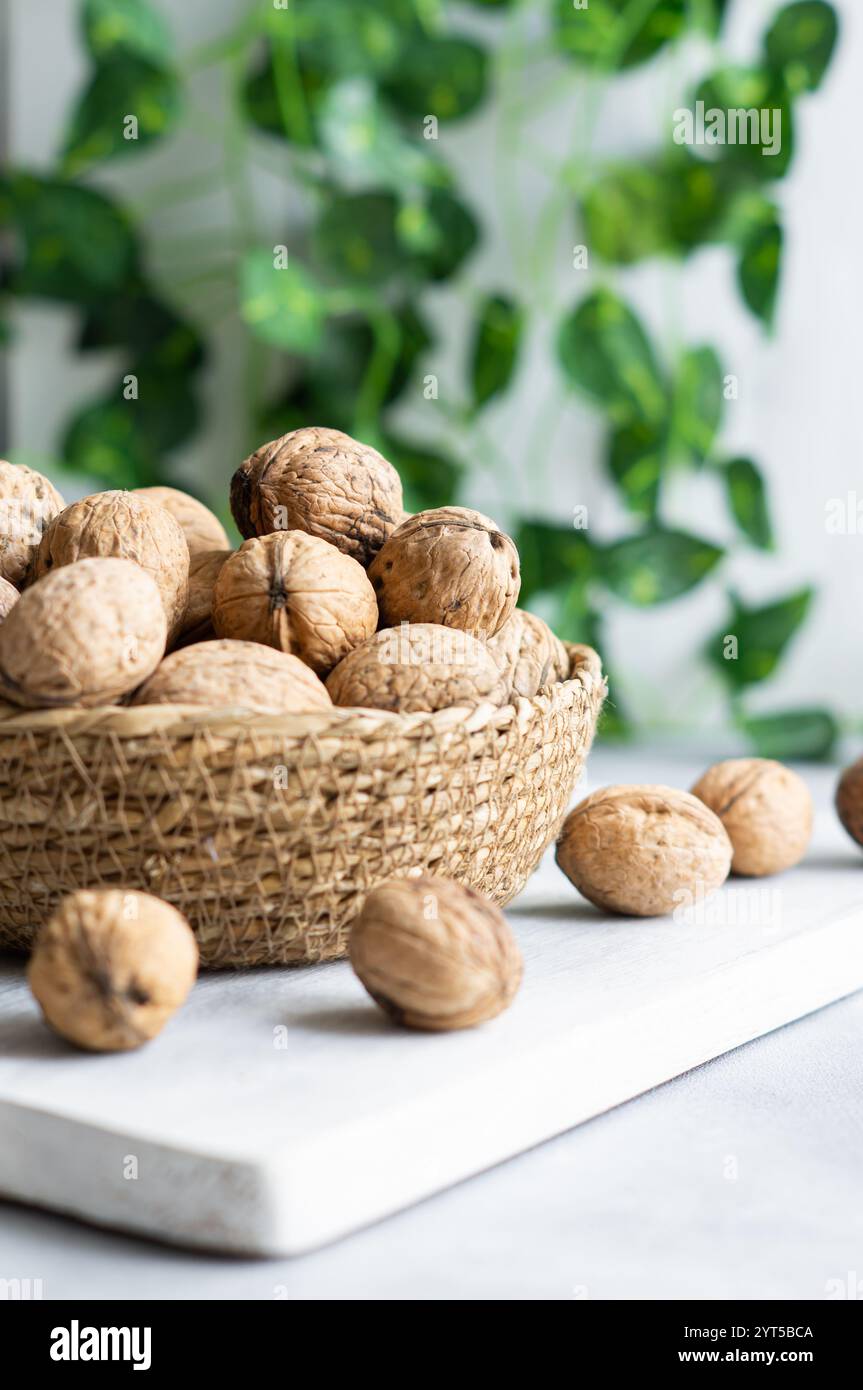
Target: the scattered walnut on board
(201, 527)
(297, 593)
(849, 800)
(8, 598)
(204, 569)
(85, 634)
(528, 654)
(27, 503)
(450, 565)
(130, 527)
(227, 675)
(643, 850)
(416, 668)
(435, 955)
(321, 481)
(765, 808)
(111, 967)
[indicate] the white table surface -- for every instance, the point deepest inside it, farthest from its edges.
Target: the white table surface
(741, 1179)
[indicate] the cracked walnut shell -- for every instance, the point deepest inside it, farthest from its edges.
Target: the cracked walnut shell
(86, 634)
(449, 565)
(202, 529)
(111, 967)
(294, 592)
(528, 654)
(227, 674)
(434, 954)
(416, 668)
(321, 481)
(765, 808)
(643, 850)
(27, 503)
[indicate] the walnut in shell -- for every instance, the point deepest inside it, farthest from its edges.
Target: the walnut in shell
(8, 597)
(227, 674)
(202, 529)
(111, 967)
(86, 634)
(450, 565)
(204, 569)
(297, 593)
(128, 526)
(765, 808)
(849, 800)
(643, 850)
(434, 954)
(418, 667)
(27, 503)
(321, 481)
(528, 654)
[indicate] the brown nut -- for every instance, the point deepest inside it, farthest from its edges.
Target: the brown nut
(849, 800)
(27, 503)
(8, 598)
(202, 529)
(86, 634)
(130, 527)
(321, 481)
(235, 675)
(415, 668)
(765, 808)
(434, 954)
(111, 967)
(528, 654)
(643, 851)
(451, 566)
(294, 592)
(204, 569)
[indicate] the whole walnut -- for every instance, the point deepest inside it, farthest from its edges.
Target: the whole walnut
(202, 529)
(766, 809)
(130, 527)
(321, 481)
(528, 654)
(111, 967)
(86, 634)
(434, 954)
(27, 503)
(8, 597)
(418, 667)
(450, 565)
(297, 593)
(849, 800)
(235, 675)
(205, 567)
(643, 851)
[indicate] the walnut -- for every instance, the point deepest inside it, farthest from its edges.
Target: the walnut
(204, 569)
(849, 800)
(434, 954)
(528, 654)
(202, 529)
(27, 503)
(765, 808)
(643, 851)
(297, 593)
(235, 675)
(130, 527)
(86, 634)
(418, 667)
(8, 597)
(111, 967)
(451, 566)
(323, 482)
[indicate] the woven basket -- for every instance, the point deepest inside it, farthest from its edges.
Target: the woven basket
(268, 831)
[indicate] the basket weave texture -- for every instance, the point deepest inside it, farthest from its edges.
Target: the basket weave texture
(267, 832)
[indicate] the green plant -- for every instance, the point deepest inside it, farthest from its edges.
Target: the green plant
(345, 102)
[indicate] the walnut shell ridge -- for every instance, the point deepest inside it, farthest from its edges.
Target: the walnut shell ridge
(227, 674)
(8, 598)
(528, 654)
(418, 668)
(765, 808)
(28, 501)
(201, 527)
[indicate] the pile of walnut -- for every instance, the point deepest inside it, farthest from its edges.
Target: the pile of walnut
(336, 596)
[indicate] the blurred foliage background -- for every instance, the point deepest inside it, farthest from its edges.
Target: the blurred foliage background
(349, 102)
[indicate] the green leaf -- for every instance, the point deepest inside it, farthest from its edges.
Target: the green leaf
(440, 232)
(442, 76)
(747, 498)
(341, 37)
(553, 558)
(605, 352)
(137, 320)
(758, 271)
(709, 15)
(657, 565)
(613, 34)
(281, 95)
(747, 121)
(626, 215)
(282, 306)
(73, 244)
(799, 43)
(497, 337)
(635, 460)
(430, 477)
(128, 26)
(698, 401)
(364, 144)
(129, 104)
(805, 734)
(122, 441)
(748, 649)
(356, 237)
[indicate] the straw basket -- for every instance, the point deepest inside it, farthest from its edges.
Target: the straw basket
(268, 831)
